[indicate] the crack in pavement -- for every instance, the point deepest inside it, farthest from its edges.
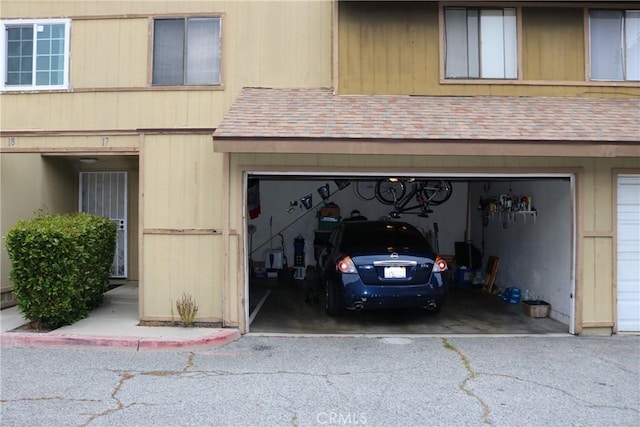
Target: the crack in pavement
(126, 376)
(471, 374)
(566, 393)
(114, 395)
(487, 410)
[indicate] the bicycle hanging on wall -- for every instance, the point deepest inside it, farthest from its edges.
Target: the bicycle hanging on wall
(412, 196)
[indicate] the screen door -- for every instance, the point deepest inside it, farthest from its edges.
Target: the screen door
(105, 194)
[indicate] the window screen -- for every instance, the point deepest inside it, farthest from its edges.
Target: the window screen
(186, 51)
(614, 40)
(481, 43)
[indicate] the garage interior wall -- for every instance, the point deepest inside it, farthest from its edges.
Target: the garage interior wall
(536, 253)
(285, 223)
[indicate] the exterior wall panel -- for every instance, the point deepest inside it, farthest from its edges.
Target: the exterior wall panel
(177, 264)
(180, 176)
(289, 45)
(182, 217)
(109, 53)
(553, 44)
(387, 49)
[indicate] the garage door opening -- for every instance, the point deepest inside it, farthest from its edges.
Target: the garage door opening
(524, 221)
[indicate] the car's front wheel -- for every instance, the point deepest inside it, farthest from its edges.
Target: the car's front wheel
(332, 305)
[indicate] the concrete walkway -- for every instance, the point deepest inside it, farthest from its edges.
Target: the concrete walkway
(114, 324)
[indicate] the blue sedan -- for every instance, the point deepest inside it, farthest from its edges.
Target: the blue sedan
(380, 265)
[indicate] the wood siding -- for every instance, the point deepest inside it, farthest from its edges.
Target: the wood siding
(182, 215)
(388, 49)
(395, 48)
(268, 44)
(553, 44)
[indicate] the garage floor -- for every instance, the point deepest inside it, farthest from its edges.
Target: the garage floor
(280, 307)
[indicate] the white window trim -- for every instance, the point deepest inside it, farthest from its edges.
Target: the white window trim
(3, 61)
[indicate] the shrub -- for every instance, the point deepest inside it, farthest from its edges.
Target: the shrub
(60, 265)
(187, 309)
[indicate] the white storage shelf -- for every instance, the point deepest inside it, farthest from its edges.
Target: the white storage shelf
(513, 215)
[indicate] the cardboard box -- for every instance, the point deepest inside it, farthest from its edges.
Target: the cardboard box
(329, 211)
(465, 276)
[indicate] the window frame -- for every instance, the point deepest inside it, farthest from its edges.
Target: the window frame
(479, 80)
(589, 51)
(9, 23)
(186, 86)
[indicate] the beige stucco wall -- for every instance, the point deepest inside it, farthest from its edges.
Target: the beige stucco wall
(595, 216)
(47, 182)
(32, 182)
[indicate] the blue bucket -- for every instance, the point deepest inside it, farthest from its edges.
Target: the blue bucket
(514, 297)
(511, 295)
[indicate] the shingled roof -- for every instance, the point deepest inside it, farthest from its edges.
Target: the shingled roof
(261, 113)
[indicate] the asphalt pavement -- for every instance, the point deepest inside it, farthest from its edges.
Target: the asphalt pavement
(92, 373)
(329, 381)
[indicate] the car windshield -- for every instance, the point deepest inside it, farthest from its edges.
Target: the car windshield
(375, 235)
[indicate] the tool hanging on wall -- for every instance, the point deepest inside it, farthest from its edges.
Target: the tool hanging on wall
(299, 258)
(251, 229)
(309, 210)
(274, 259)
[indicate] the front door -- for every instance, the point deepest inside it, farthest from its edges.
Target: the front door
(105, 194)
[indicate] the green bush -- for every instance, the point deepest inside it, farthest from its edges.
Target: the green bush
(60, 265)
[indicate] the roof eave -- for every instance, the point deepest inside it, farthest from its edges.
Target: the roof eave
(437, 147)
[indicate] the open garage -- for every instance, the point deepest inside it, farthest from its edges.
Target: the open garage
(524, 221)
(533, 200)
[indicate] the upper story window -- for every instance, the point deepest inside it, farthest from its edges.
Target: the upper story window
(480, 43)
(35, 54)
(186, 51)
(614, 40)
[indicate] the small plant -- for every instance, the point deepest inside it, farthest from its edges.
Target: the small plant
(187, 309)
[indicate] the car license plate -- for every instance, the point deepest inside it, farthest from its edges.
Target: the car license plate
(395, 273)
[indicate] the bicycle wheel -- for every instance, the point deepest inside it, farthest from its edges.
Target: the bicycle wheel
(437, 192)
(389, 192)
(365, 190)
